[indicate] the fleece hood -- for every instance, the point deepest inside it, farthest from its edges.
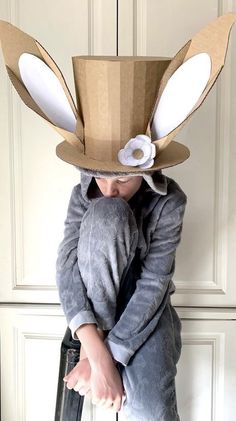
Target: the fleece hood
(156, 181)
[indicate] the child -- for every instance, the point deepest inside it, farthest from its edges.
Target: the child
(114, 274)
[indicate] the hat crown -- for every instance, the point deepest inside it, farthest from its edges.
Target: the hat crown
(116, 96)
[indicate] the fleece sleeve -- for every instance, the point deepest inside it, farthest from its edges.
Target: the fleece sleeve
(148, 301)
(72, 291)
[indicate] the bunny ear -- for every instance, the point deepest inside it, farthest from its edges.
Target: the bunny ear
(46, 90)
(181, 94)
(205, 53)
(39, 82)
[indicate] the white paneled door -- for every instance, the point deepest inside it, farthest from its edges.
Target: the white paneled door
(35, 187)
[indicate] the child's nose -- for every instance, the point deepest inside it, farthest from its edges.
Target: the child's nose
(111, 190)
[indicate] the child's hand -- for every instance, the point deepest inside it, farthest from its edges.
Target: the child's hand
(106, 384)
(97, 372)
(79, 377)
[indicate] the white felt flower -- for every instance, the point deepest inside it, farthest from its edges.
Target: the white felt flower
(138, 151)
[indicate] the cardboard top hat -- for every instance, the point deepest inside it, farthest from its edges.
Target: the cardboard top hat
(129, 109)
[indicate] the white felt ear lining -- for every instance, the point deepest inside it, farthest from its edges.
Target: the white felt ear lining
(181, 94)
(46, 90)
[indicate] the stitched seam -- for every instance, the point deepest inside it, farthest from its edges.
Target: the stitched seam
(89, 254)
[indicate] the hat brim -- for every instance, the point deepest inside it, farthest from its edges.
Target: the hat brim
(173, 154)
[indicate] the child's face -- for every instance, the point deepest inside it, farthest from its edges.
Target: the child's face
(124, 187)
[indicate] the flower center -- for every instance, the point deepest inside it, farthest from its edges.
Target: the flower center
(137, 153)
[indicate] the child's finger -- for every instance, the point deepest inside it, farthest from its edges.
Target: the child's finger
(83, 390)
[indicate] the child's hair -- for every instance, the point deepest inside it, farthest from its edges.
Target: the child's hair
(155, 179)
(106, 174)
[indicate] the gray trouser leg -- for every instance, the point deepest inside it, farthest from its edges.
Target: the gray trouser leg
(149, 379)
(108, 239)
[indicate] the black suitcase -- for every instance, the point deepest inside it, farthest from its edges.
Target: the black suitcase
(69, 404)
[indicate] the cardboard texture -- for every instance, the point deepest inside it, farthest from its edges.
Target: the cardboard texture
(117, 97)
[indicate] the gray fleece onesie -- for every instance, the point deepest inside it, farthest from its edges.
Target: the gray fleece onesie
(115, 267)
